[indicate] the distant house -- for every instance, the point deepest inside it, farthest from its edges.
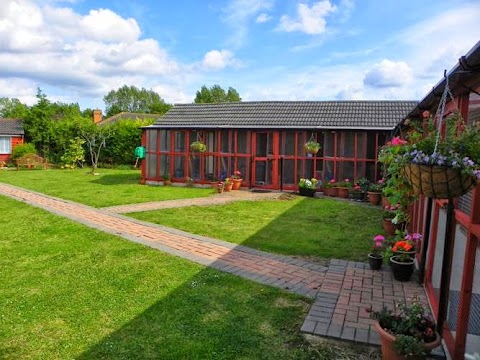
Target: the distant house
(98, 117)
(11, 135)
(265, 141)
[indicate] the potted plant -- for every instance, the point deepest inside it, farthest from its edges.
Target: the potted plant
(403, 258)
(375, 192)
(311, 147)
(344, 188)
(356, 192)
(407, 333)
(307, 187)
(375, 257)
(330, 188)
(167, 180)
(220, 186)
(236, 179)
(188, 181)
(227, 184)
(198, 146)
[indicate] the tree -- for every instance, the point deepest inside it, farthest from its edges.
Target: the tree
(216, 95)
(132, 99)
(12, 108)
(96, 139)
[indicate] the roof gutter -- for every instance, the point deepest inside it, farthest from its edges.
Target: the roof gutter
(387, 128)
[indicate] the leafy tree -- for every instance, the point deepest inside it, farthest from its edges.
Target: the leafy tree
(126, 135)
(131, 99)
(51, 126)
(216, 94)
(23, 149)
(75, 154)
(12, 108)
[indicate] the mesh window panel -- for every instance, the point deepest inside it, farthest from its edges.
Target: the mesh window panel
(465, 203)
(288, 144)
(179, 171)
(164, 164)
(164, 140)
(243, 167)
(152, 140)
(151, 166)
(225, 141)
(473, 333)
(371, 154)
(242, 142)
(361, 148)
(329, 144)
(288, 172)
(210, 168)
(347, 149)
(179, 141)
(194, 167)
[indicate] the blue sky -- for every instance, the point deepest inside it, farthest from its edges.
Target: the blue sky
(79, 50)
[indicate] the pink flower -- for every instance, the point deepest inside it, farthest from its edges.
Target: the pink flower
(397, 141)
(332, 181)
(356, 187)
(417, 236)
(347, 180)
(379, 238)
(426, 114)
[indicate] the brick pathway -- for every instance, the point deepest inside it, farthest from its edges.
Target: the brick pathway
(342, 291)
(216, 199)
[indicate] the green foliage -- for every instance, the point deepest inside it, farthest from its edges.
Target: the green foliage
(74, 155)
(132, 99)
(20, 150)
(51, 126)
(125, 136)
(216, 94)
(409, 346)
(12, 108)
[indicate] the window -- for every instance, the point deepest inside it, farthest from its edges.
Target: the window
(5, 145)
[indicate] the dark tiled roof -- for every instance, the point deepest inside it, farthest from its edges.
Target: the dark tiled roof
(129, 116)
(289, 114)
(11, 126)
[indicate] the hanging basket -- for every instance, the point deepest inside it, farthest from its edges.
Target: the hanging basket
(311, 147)
(438, 182)
(198, 146)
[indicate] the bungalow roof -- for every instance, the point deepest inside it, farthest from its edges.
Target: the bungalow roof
(10, 126)
(367, 115)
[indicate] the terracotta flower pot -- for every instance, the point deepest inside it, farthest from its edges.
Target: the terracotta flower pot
(389, 227)
(228, 187)
(333, 192)
(387, 339)
(374, 197)
(236, 184)
(375, 262)
(343, 192)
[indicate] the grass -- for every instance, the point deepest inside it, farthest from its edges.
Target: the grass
(306, 227)
(111, 187)
(69, 291)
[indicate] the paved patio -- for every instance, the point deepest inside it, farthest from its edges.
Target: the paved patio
(343, 290)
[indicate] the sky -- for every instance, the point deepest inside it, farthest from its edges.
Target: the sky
(76, 51)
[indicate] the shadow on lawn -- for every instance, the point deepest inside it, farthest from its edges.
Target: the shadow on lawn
(211, 316)
(117, 179)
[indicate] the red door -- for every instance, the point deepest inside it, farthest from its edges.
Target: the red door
(265, 160)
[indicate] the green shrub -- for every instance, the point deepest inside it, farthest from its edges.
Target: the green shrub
(21, 150)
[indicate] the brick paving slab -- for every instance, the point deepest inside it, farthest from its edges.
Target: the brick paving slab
(217, 199)
(347, 291)
(279, 271)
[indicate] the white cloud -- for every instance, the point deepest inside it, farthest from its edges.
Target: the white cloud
(238, 15)
(85, 55)
(216, 60)
(388, 73)
(263, 18)
(310, 20)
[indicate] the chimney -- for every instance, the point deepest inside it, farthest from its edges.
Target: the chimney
(97, 116)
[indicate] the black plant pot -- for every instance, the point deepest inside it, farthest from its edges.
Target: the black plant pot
(402, 271)
(306, 192)
(375, 262)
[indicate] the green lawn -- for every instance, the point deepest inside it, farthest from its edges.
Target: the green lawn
(69, 291)
(111, 187)
(302, 226)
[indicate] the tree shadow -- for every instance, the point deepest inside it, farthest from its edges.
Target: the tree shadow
(213, 315)
(117, 179)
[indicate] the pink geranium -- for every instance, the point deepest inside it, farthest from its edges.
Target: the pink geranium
(397, 141)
